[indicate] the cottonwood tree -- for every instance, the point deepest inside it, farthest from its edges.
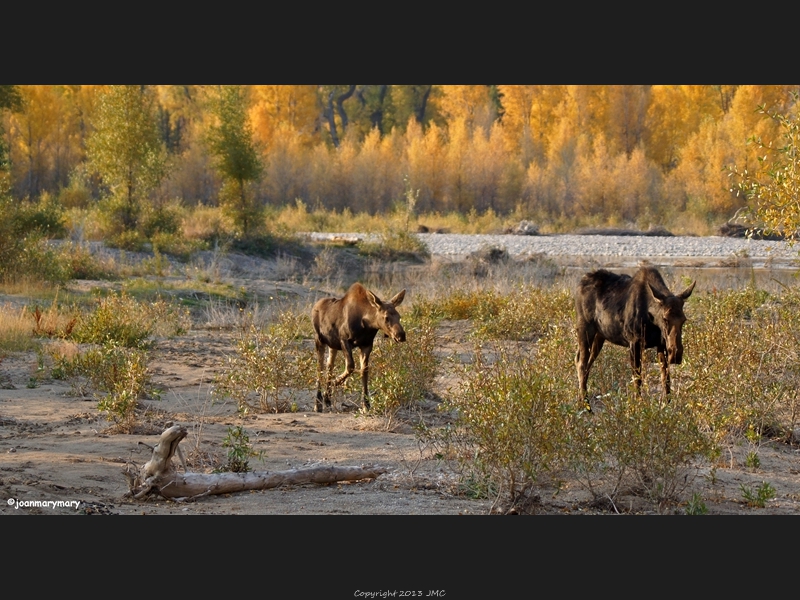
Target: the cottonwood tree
(127, 152)
(45, 140)
(230, 141)
(773, 187)
(278, 109)
(10, 99)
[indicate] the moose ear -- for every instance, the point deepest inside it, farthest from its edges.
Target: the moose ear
(656, 294)
(398, 299)
(687, 292)
(374, 300)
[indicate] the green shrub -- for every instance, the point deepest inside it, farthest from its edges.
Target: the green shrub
(525, 314)
(121, 319)
(131, 240)
(759, 497)
(740, 369)
(44, 218)
(511, 417)
(24, 251)
(118, 375)
(395, 246)
(270, 370)
(696, 506)
(401, 373)
(163, 219)
(240, 450)
(642, 445)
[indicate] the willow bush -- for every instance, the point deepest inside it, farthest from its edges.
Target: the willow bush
(400, 374)
(272, 368)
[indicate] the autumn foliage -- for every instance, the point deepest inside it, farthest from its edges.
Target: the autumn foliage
(562, 155)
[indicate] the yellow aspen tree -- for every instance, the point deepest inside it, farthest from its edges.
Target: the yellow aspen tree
(322, 170)
(517, 101)
(595, 191)
(545, 111)
(744, 122)
(295, 107)
(457, 196)
(344, 159)
(372, 172)
(701, 175)
(286, 168)
(35, 132)
(585, 107)
(565, 146)
(425, 159)
(395, 166)
(675, 113)
(638, 188)
(484, 168)
(470, 104)
(625, 116)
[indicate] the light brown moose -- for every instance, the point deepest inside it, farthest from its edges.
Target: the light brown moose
(350, 322)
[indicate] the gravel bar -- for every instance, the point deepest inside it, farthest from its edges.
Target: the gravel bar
(604, 248)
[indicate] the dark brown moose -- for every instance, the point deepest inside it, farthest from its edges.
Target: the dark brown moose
(635, 312)
(350, 322)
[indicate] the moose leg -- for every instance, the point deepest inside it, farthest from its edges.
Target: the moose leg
(636, 365)
(321, 373)
(349, 364)
(662, 357)
(365, 352)
(597, 345)
(582, 362)
(590, 342)
(329, 381)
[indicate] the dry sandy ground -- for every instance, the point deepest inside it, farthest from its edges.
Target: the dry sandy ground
(55, 446)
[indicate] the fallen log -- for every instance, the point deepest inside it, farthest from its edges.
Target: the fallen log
(158, 475)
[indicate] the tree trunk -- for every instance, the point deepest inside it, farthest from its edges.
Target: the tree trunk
(419, 112)
(158, 476)
(331, 121)
(340, 106)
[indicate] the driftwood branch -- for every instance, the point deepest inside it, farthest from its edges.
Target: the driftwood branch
(158, 476)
